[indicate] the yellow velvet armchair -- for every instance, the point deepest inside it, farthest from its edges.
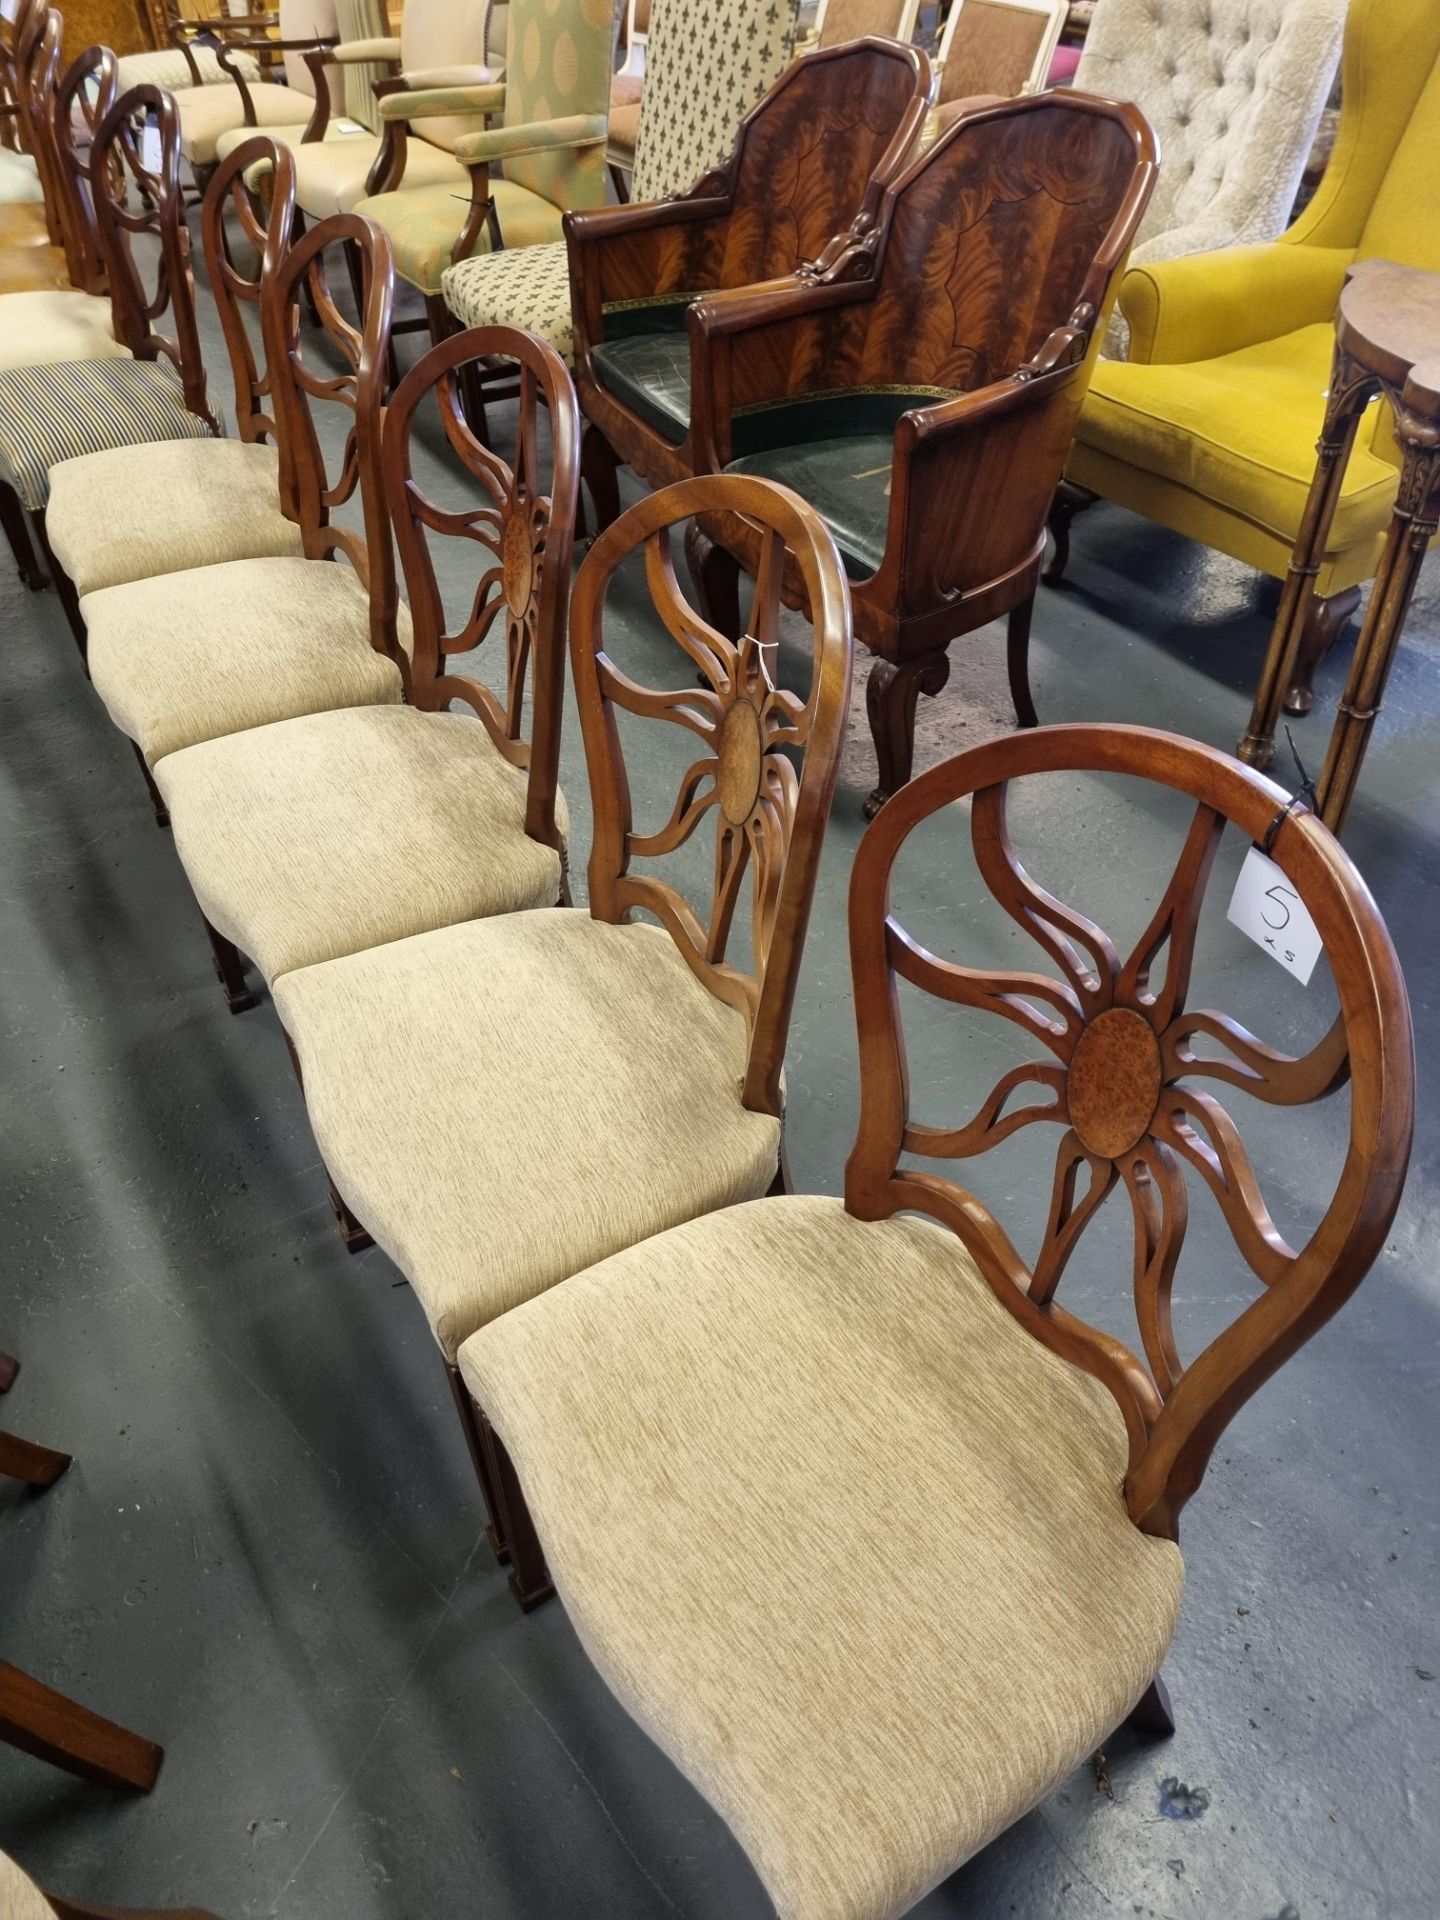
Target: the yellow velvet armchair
(1210, 427)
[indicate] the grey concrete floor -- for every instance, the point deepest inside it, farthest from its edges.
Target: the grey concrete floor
(268, 1552)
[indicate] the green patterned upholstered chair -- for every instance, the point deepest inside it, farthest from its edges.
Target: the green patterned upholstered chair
(708, 62)
(547, 132)
(156, 390)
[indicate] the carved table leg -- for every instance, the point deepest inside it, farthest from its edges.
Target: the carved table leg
(530, 1580)
(480, 1460)
(716, 574)
(1324, 623)
(1152, 1715)
(890, 696)
(599, 469)
(17, 532)
(1295, 621)
(52, 1727)
(229, 970)
(1416, 518)
(1017, 661)
(9, 1367)
(1069, 500)
(27, 1460)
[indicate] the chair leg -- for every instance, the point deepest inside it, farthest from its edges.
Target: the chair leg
(82, 1910)
(599, 468)
(716, 574)
(229, 970)
(353, 1232)
(891, 694)
(157, 799)
(52, 1727)
(1069, 500)
(1017, 661)
(17, 533)
(1152, 1715)
(64, 589)
(475, 1441)
(9, 1367)
(1323, 625)
(530, 1580)
(27, 1460)
(620, 180)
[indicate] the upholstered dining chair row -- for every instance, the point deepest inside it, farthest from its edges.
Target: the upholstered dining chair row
(752, 1437)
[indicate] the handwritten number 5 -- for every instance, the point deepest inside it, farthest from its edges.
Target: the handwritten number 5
(1279, 895)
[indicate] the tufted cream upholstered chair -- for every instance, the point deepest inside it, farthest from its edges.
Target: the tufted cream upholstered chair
(708, 62)
(1234, 90)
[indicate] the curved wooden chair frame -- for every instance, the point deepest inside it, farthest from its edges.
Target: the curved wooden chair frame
(769, 815)
(525, 526)
(265, 226)
(1120, 1072)
(33, 66)
(83, 97)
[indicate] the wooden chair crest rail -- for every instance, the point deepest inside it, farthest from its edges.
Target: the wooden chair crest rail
(812, 159)
(291, 834)
(909, 1555)
(1123, 1067)
(921, 385)
(619, 1050)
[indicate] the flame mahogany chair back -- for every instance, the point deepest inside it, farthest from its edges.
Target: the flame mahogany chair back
(134, 512)
(286, 831)
(921, 386)
(643, 1060)
(911, 1554)
(814, 155)
(152, 384)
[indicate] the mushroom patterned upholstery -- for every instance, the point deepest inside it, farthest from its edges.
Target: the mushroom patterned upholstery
(1234, 90)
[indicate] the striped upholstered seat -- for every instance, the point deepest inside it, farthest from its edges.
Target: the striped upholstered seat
(48, 414)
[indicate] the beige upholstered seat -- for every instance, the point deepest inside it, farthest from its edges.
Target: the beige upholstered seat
(330, 178)
(845, 1540)
(207, 112)
(190, 656)
(167, 67)
(19, 179)
(20, 1898)
(411, 821)
(45, 327)
(205, 501)
(505, 1102)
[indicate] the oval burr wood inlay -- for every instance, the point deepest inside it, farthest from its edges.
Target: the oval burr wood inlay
(1114, 1082)
(741, 755)
(517, 556)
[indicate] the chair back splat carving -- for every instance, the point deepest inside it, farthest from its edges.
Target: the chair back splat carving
(526, 526)
(35, 63)
(130, 199)
(770, 814)
(76, 108)
(1120, 1074)
(265, 227)
(296, 384)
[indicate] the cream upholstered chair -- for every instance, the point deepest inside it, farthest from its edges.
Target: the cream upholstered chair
(209, 112)
(698, 88)
(157, 390)
(336, 832)
(189, 656)
(1234, 90)
(441, 43)
(129, 513)
(875, 1539)
(608, 1078)
(550, 141)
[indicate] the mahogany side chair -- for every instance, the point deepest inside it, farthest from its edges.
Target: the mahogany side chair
(69, 316)
(131, 512)
(921, 389)
(157, 390)
(22, 1899)
(813, 156)
(500, 1100)
(336, 832)
(873, 1537)
(189, 656)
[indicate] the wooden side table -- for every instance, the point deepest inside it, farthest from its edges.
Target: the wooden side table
(1387, 341)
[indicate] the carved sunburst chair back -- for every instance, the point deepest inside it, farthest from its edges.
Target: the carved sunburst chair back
(768, 760)
(524, 524)
(232, 212)
(74, 111)
(131, 199)
(1125, 1069)
(301, 376)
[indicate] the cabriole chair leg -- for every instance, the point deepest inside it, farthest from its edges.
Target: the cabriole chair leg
(157, 799)
(599, 469)
(891, 694)
(17, 533)
(1069, 500)
(64, 590)
(353, 1232)
(27, 1460)
(530, 1580)
(1324, 624)
(229, 970)
(1017, 662)
(475, 1442)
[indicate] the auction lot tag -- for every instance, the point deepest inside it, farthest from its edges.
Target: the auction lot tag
(1265, 906)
